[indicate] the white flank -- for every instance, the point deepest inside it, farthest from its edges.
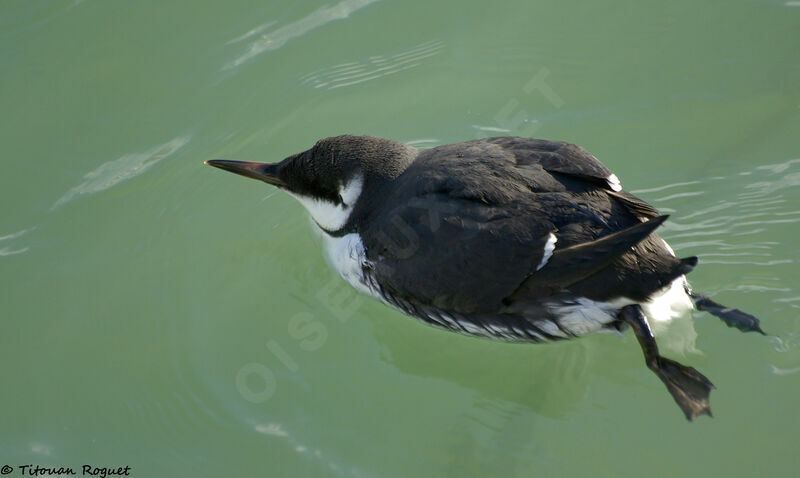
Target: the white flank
(550, 327)
(669, 304)
(328, 215)
(669, 321)
(348, 257)
(585, 315)
(549, 247)
(613, 181)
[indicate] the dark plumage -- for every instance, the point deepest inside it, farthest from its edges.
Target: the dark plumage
(498, 199)
(513, 238)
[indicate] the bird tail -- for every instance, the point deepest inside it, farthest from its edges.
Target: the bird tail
(687, 264)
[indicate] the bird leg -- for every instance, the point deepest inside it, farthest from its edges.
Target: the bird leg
(732, 317)
(688, 387)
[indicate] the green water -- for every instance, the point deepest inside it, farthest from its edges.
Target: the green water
(163, 315)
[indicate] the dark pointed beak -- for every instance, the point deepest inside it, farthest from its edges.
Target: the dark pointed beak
(262, 171)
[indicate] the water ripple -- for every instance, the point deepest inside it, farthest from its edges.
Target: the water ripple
(7, 251)
(10, 251)
(664, 187)
(374, 67)
(277, 38)
(784, 371)
(680, 195)
(752, 208)
(738, 229)
(491, 129)
(15, 235)
(114, 172)
(424, 143)
(305, 449)
(254, 31)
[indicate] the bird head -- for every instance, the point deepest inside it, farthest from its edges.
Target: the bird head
(330, 178)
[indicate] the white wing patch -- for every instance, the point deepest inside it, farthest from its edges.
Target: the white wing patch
(613, 182)
(549, 247)
(328, 215)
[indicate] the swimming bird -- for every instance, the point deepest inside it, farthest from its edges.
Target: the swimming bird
(517, 239)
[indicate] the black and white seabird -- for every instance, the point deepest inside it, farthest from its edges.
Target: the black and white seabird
(518, 239)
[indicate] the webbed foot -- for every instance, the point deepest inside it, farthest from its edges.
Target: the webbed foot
(732, 317)
(688, 387)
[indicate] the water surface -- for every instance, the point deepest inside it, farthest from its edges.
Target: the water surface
(161, 314)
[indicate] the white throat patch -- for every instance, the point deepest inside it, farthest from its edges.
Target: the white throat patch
(328, 215)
